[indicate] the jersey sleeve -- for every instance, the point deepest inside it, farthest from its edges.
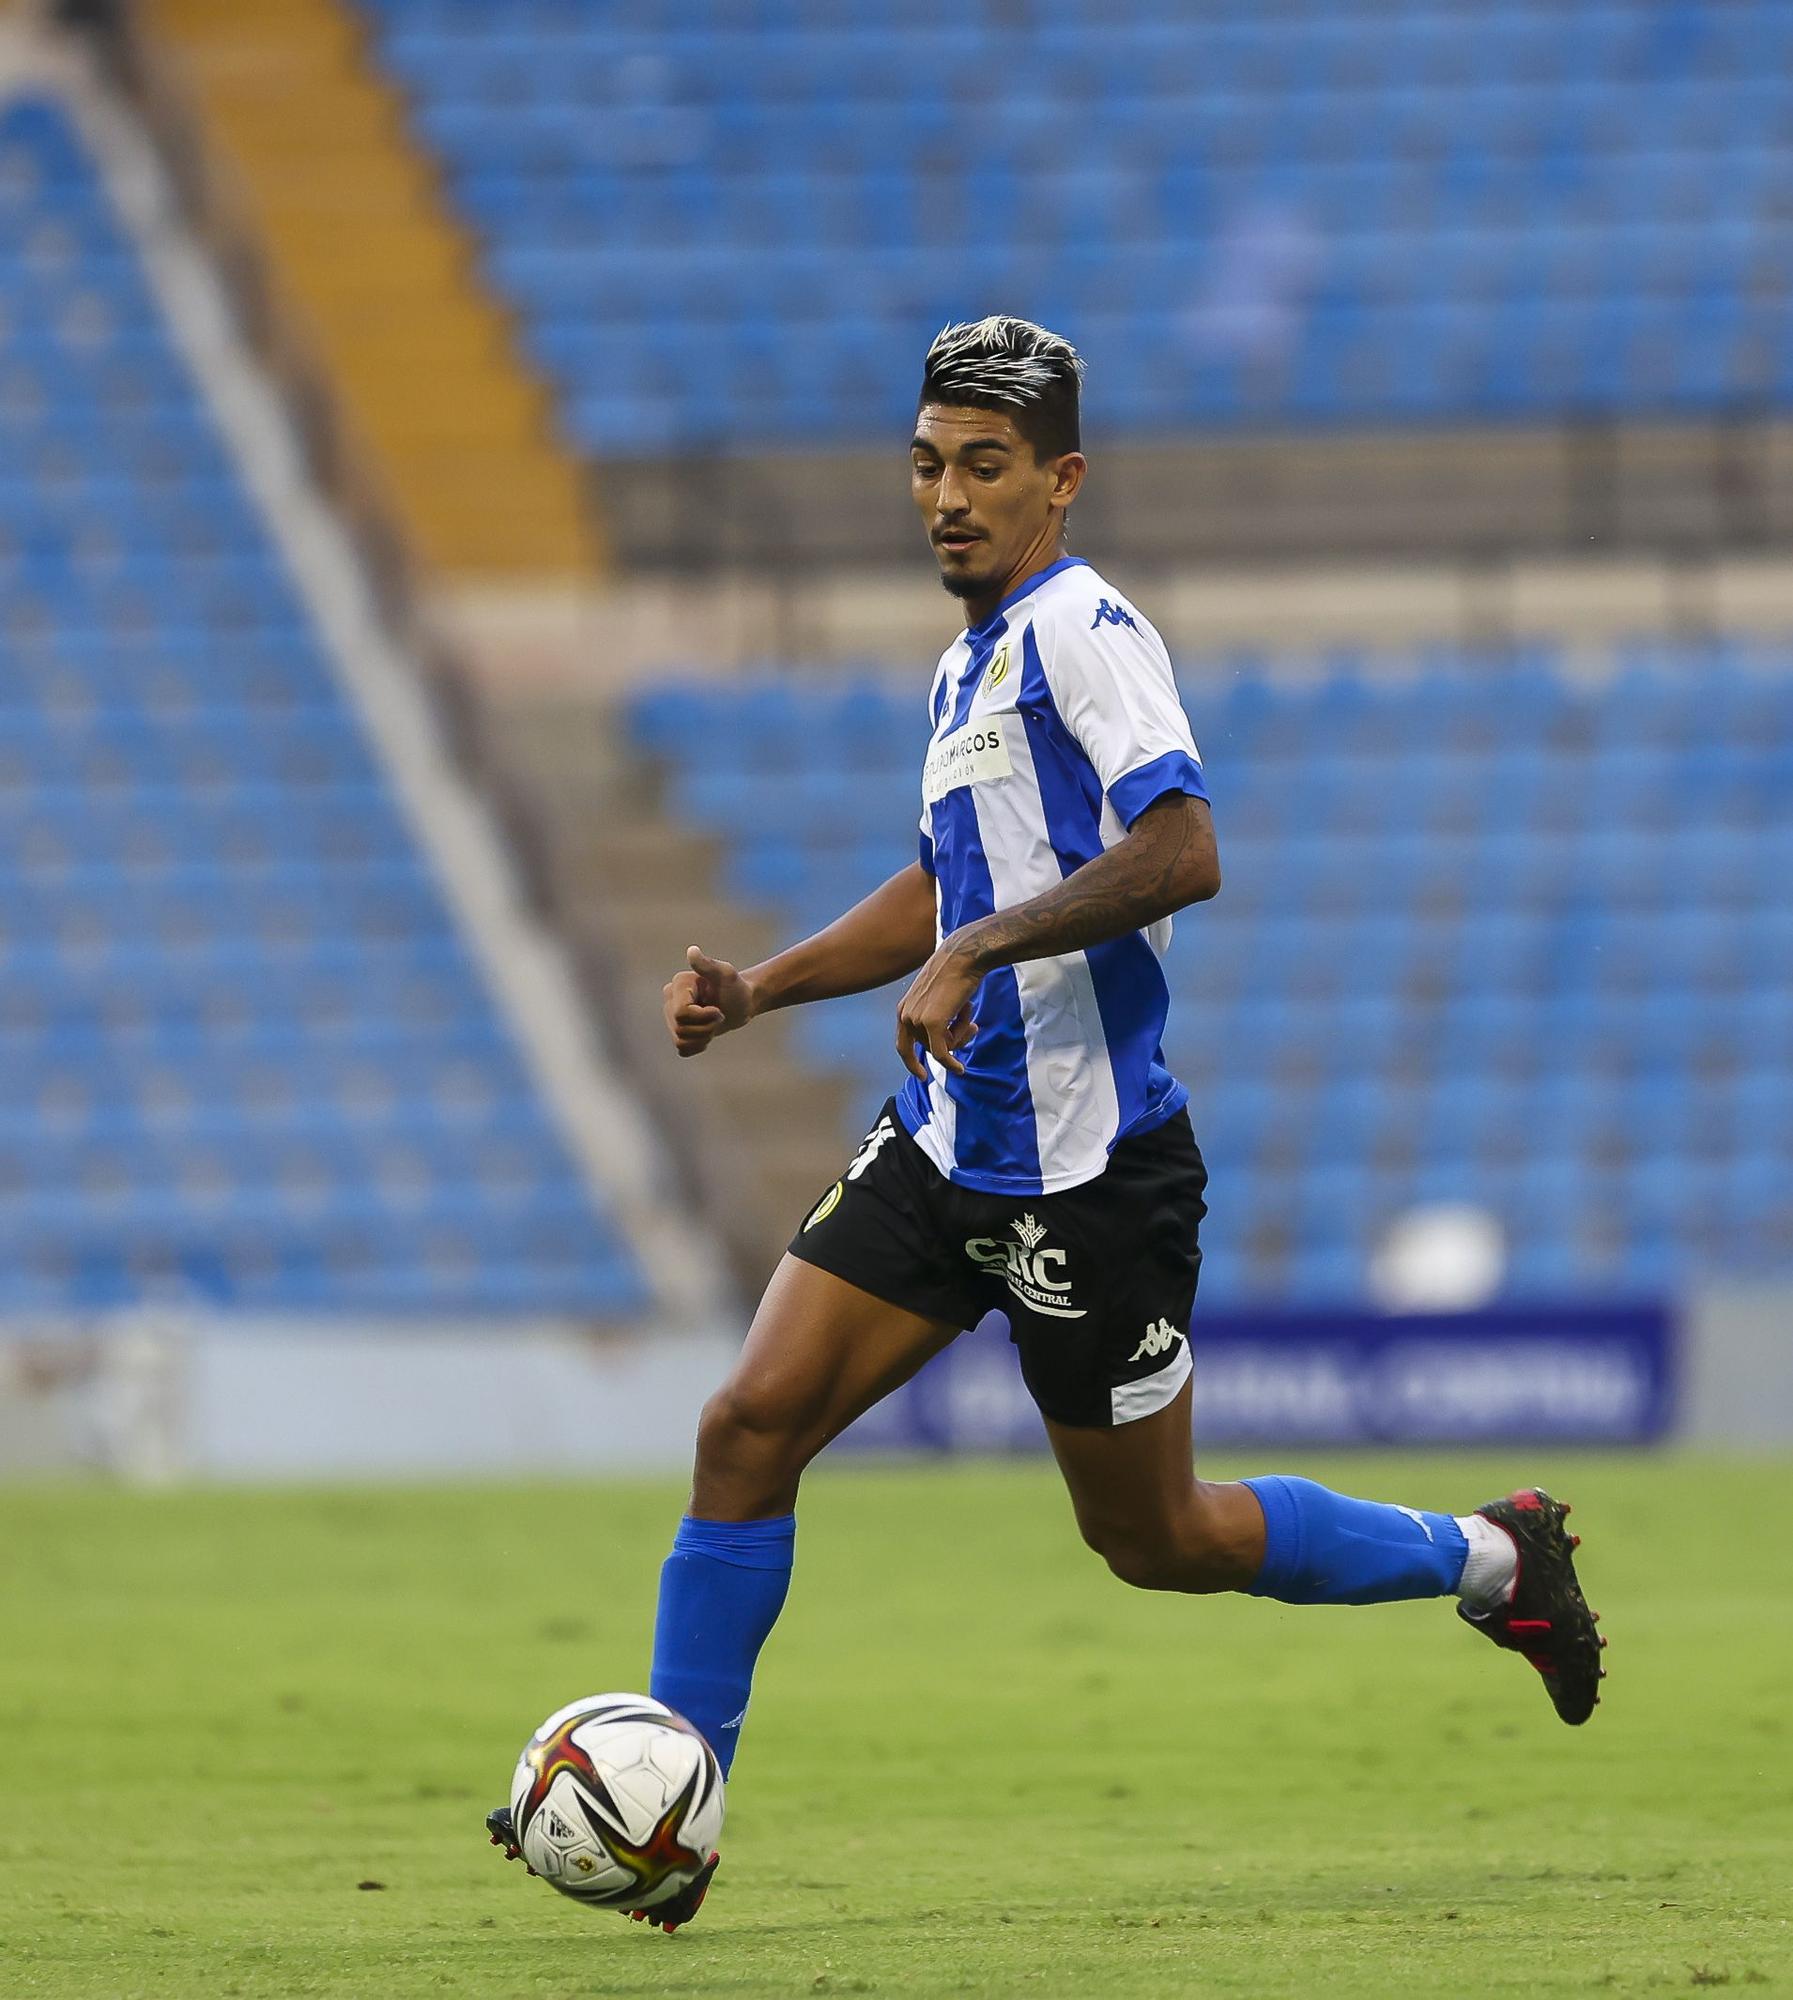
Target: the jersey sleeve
(1114, 689)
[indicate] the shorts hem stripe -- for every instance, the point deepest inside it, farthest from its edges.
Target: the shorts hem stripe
(1130, 1401)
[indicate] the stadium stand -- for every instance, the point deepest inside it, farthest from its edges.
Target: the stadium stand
(373, 270)
(245, 1058)
(1493, 930)
(725, 225)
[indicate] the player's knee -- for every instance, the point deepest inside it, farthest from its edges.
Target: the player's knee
(743, 1430)
(1184, 1551)
(1145, 1565)
(1140, 1557)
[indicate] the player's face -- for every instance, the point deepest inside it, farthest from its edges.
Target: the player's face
(989, 506)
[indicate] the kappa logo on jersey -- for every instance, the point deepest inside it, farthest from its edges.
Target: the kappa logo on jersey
(1112, 614)
(1030, 1272)
(1160, 1339)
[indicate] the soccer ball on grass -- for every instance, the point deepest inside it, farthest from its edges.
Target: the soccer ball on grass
(617, 1801)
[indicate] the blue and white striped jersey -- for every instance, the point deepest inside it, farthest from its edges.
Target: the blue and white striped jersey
(1056, 723)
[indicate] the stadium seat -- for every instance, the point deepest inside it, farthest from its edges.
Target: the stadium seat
(246, 1059)
(1583, 1023)
(1320, 214)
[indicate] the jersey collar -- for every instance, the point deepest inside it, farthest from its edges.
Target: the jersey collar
(1025, 589)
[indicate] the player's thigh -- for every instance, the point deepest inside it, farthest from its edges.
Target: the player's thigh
(1133, 1484)
(820, 1353)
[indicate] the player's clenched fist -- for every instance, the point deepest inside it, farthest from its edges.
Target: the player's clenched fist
(706, 1000)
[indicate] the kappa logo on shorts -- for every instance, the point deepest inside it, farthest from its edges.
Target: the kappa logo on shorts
(1030, 1272)
(1160, 1339)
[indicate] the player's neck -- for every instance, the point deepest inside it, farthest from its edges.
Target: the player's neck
(1041, 556)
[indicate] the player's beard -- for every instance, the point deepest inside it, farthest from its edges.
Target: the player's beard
(966, 583)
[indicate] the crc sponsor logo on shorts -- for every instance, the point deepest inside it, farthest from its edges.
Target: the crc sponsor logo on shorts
(1034, 1274)
(870, 1147)
(1160, 1339)
(968, 756)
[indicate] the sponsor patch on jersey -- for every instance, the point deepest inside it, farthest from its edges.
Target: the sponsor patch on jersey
(969, 756)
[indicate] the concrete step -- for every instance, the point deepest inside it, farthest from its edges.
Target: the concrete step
(290, 97)
(759, 1135)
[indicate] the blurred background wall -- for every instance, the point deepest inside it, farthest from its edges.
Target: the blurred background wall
(454, 553)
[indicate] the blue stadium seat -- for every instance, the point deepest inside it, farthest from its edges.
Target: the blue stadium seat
(1585, 1024)
(245, 1057)
(1324, 213)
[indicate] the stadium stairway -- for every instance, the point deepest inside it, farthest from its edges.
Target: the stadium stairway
(265, 1047)
(756, 1127)
(366, 252)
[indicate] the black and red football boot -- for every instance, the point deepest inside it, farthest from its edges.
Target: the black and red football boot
(680, 1909)
(502, 1832)
(1546, 1618)
(666, 1916)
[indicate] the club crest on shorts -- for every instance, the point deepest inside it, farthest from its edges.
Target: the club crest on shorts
(1033, 1274)
(827, 1205)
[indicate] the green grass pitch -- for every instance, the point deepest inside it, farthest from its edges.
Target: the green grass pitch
(246, 1740)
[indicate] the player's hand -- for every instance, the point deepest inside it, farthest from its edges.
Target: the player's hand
(936, 1011)
(707, 999)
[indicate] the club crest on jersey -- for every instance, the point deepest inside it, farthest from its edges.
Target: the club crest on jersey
(1033, 1274)
(1112, 614)
(999, 666)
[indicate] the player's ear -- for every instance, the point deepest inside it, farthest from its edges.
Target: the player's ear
(1067, 478)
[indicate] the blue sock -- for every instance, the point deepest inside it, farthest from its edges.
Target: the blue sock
(1322, 1547)
(721, 1591)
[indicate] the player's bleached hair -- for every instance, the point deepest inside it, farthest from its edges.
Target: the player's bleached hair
(1005, 363)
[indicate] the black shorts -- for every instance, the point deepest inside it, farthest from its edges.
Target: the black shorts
(1097, 1283)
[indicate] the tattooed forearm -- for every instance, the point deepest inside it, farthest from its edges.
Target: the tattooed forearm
(1166, 862)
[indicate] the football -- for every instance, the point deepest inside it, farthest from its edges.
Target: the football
(617, 1801)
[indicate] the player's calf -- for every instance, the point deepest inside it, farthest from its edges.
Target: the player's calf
(1211, 1541)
